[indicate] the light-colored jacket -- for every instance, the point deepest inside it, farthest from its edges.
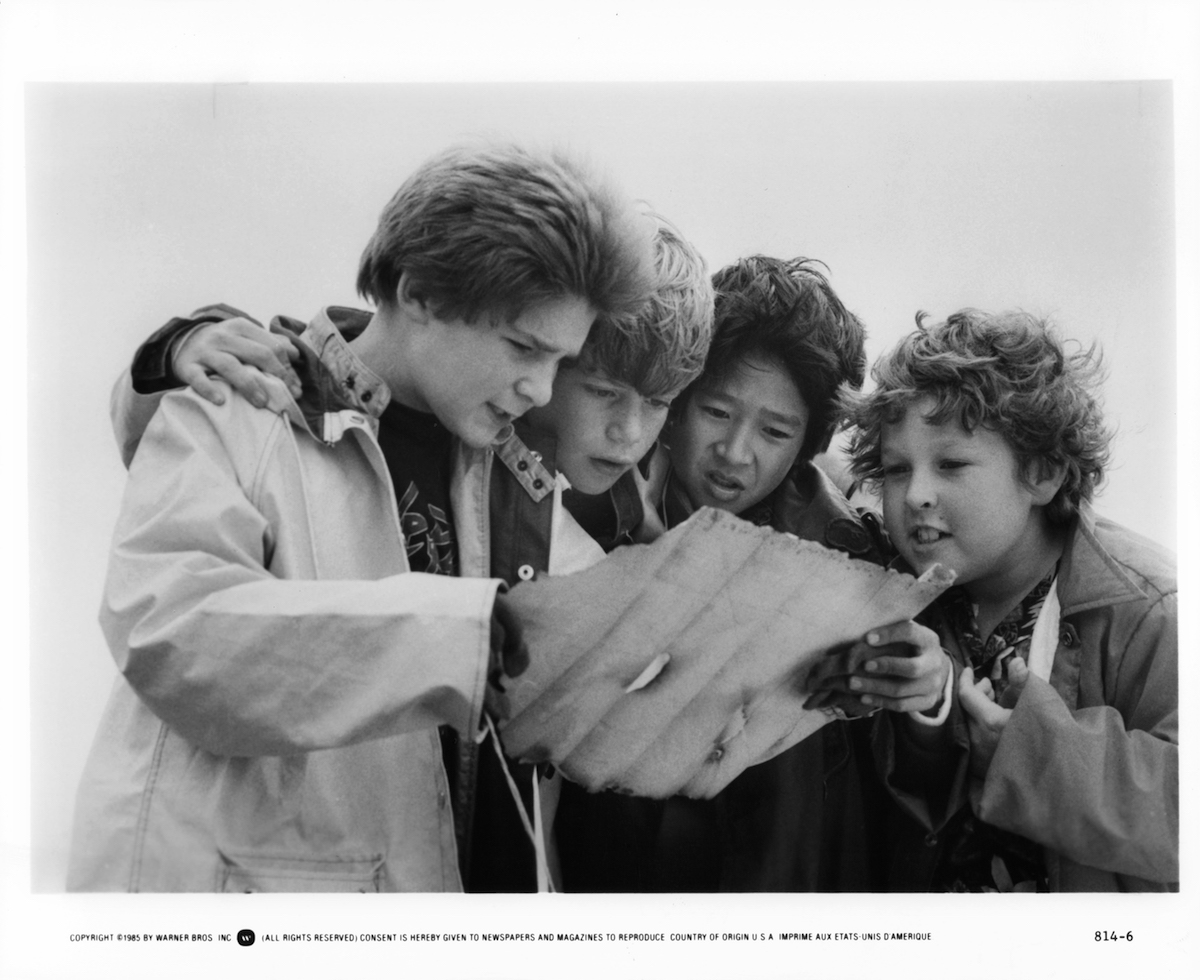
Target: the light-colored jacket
(1088, 764)
(283, 670)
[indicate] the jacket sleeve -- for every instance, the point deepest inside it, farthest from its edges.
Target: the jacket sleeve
(244, 663)
(1100, 784)
(925, 770)
(136, 395)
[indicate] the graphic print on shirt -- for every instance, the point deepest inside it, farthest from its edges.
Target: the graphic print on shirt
(427, 539)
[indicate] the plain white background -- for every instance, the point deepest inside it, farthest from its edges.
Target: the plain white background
(143, 200)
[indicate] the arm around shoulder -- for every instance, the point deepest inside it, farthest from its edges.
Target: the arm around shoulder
(139, 389)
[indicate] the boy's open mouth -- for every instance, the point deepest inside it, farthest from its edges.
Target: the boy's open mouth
(928, 535)
(501, 416)
(610, 465)
(723, 486)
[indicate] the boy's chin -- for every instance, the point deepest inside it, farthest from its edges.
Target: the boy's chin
(588, 475)
(917, 563)
(590, 487)
(920, 564)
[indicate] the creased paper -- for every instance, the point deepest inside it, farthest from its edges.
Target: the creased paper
(669, 668)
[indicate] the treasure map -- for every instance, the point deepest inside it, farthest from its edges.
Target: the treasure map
(669, 668)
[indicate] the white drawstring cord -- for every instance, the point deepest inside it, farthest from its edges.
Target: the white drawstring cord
(536, 831)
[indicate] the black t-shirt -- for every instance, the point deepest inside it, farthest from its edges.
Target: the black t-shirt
(418, 450)
(419, 453)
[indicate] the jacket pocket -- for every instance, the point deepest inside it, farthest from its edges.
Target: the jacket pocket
(265, 873)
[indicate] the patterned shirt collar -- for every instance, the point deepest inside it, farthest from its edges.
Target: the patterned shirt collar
(1011, 637)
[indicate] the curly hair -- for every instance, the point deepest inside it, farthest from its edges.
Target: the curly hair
(662, 347)
(488, 232)
(1008, 372)
(786, 311)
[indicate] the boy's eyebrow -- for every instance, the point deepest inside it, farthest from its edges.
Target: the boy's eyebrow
(533, 340)
(772, 416)
(793, 420)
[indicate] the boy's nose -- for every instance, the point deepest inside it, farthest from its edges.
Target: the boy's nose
(921, 492)
(626, 427)
(735, 447)
(538, 385)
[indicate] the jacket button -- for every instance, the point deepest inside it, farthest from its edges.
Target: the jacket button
(538, 484)
(525, 573)
(522, 466)
(931, 840)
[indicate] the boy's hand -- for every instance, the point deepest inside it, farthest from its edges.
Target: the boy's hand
(510, 657)
(239, 351)
(900, 667)
(985, 718)
(1016, 674)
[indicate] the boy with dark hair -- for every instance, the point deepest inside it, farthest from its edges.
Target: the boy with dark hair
(281, 596)
(985, 437)
(780, 326)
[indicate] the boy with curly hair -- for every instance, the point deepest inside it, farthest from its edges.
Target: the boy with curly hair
(985, 438)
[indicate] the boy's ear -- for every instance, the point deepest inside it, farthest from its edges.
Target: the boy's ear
(1044, 478)
(410, 303)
